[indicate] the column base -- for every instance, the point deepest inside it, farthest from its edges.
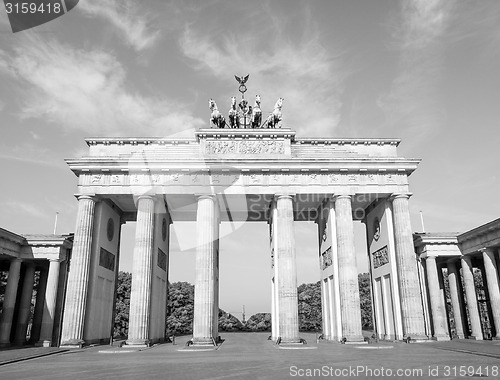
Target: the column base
(355, 339)
(417, 339)
(472, 337)
(138, 343)
(205, 342)
(73, 343)
(440, 338)
(43, 343)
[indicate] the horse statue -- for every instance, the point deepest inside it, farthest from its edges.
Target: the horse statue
(216, 117)
(234, 119)
(275, 117)
(256, 113)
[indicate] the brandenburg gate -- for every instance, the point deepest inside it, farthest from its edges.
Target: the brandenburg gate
(232, 173)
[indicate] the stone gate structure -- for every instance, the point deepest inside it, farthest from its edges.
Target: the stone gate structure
(225, 175)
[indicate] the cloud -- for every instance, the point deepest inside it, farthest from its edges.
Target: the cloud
(128, 17)
(297, 67)
(86, 90)
(24, 208)
(411, 104)
(31, 153)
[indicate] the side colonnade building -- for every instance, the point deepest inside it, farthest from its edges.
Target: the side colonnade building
(467, 266)
(24, 257)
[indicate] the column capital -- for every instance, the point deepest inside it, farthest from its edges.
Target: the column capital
(341, 196)
(284, 195)
(206, 196)
(146, 196)
(487, 250)
(467, 259)
(400, 196)
(82, 197)
(55, 259)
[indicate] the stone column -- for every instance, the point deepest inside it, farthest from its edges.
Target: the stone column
(207, 234)
(456, 298)
(78, 279)
(490, 267)
(9, 302)
(439, 319)
(287, 271)
(25, 305)
(140, 294)
(411, 300)
(348, 271)
(50, 304)
(470, 291)
(39, 305)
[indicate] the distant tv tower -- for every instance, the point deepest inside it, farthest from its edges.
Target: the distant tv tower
(243, 321)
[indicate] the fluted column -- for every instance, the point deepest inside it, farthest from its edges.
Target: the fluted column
(456, 298)
(50, 304)
(439, 320)
(470, 291)
(25, 305)
(490, 267)
(78, 278)
(348, 271)
(9, 302)
(287, 270)
(411, 301)
(39, 305)
(207, 235)
(140, 295)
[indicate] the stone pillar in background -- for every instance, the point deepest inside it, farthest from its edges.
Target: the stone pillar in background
(456, 299)
(9, 302)
(140, 295)
(77, 286)
(411, 300)
(50, 304)
(207, 234)
(348, 272)
(25, 305)
(490, 267)
(39, 305)
(470, 291)
(287, 270)
(439, 319)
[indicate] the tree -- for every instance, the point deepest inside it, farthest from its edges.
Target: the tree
(259, 322)
(365, 300)
(310, 318)
(180, 308)
(122, 304)
(228, 322)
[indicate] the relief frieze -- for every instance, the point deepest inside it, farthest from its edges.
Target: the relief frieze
(245, 147)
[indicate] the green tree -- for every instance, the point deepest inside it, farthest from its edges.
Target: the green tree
(122, 304)
(309, 296)
(365, 300)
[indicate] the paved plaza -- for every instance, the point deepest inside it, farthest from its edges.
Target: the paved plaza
(252, 356)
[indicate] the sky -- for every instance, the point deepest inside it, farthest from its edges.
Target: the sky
(424, 71)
